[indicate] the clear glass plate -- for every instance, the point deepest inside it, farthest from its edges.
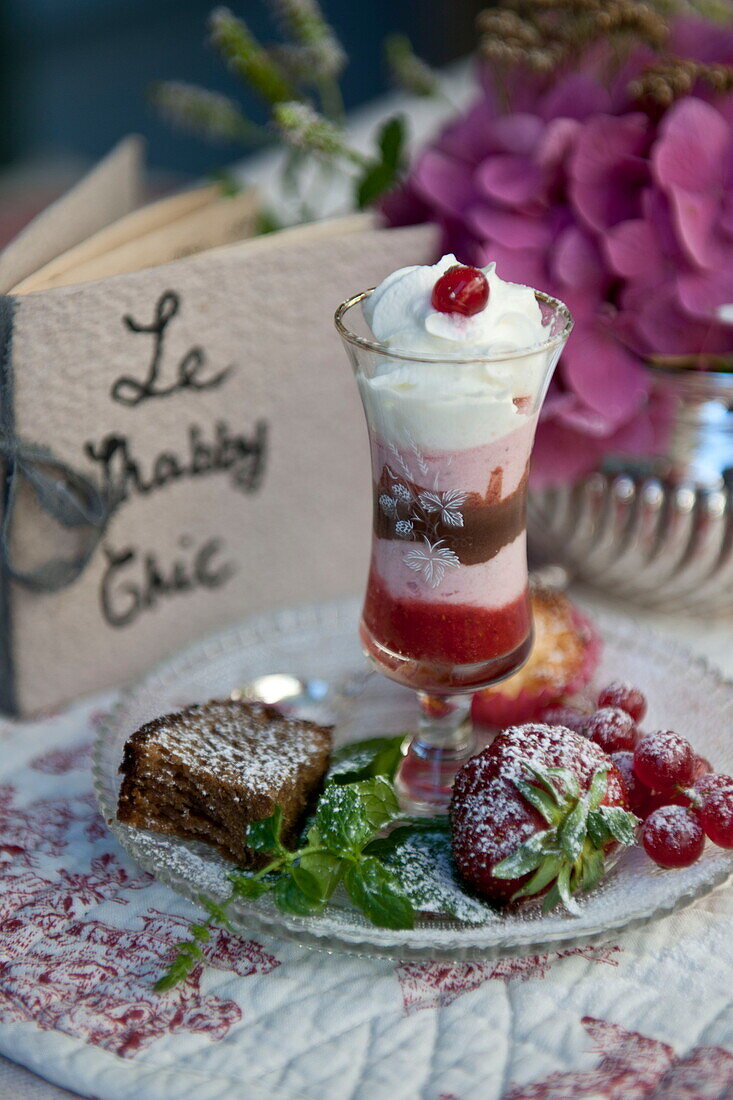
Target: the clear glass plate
(320, 643)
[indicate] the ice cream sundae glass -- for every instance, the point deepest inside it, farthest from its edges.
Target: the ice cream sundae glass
(452, 365)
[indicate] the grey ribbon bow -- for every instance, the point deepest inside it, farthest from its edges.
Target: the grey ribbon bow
(69, 496)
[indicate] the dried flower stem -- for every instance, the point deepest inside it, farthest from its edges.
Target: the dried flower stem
(209, 115)
(408, 70)
(670, 79)
(247, 58)
(305, 129)
(316, 43)
(543, 34)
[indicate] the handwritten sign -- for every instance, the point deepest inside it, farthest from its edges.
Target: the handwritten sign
(131, 391)
(135, 580)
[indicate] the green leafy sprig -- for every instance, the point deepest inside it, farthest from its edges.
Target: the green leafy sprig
(210, 115)
(298, 80)
(366, 759)
(304, 129)
(568, 856)
(247, 59)
(341, 846)
(408, 71)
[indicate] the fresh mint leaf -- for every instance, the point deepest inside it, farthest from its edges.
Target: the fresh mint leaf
(423, 864)
(391, 141)
(177, 972)
(318, 874)
(347, 817)
(309, 883)
(377, 893)
(246, 886)
(379, 801)
(290, 898)
(216, 911)
(366, 759)
(200, 931)
(264, 835)
(341, 820)
(385, 846)
(188, 955)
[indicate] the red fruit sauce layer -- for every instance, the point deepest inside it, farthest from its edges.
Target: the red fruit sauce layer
(452, 634)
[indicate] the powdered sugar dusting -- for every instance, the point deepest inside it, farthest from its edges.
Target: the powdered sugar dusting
(424, 866)
(489, 816)
(674, 826)
(236, 743)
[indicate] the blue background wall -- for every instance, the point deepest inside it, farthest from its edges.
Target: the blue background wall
(74, 73)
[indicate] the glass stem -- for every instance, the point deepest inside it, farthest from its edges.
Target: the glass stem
(444, 721)
(444, 741)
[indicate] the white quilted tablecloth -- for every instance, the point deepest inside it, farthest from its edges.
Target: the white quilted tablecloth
(84, 933)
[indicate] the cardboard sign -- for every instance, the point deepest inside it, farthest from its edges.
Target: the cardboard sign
(183, 444)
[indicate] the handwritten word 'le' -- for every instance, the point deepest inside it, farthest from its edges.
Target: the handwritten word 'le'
(130, 391)
(134, 582)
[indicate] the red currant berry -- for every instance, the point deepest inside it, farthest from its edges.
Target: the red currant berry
(672, 836)
(613, 729)
(624, 696)
(656, 800)
(664, 760)
(570, 717)
(716, 817)
(636, 792)
(706, 784)
(461, 290)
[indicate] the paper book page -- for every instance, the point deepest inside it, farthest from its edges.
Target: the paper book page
(107, 193)
(170, 229)
(213, 398)
(345, 226)
(128, 228)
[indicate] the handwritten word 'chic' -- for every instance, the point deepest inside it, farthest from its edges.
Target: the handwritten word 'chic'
(135, 581)
(131, 391)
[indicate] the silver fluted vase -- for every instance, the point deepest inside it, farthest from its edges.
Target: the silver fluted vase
(655, 530)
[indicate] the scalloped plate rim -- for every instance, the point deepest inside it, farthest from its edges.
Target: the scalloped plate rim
(312, 932)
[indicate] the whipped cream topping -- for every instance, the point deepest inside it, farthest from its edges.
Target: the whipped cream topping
(445, 404)
(400, 314)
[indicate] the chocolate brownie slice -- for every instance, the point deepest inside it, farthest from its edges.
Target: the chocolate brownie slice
(206, 772)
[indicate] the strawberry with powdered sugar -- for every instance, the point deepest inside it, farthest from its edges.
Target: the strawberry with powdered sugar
(537, 812)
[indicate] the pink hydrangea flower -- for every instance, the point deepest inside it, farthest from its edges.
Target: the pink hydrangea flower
(626, 217)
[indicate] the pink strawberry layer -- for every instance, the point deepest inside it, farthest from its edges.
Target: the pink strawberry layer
(469, 470)
(488, 584)
(491, 583)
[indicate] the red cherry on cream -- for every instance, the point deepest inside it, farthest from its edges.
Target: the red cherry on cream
(462, 290)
